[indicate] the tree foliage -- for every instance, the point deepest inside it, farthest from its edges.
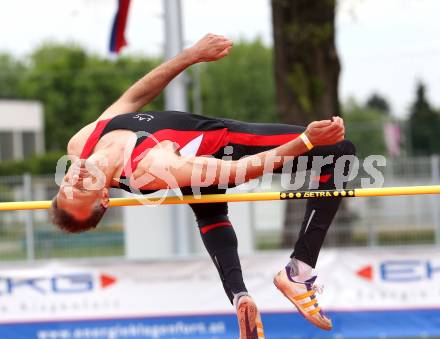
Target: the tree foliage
(75, 87)
(378, 103)
(364, 127)
(241, 85)
(41, 164)
(11, 74)
(424, 125)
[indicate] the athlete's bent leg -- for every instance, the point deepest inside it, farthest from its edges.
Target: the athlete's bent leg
(320, 212)
(296, 280)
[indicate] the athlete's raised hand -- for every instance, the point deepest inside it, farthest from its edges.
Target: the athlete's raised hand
(210, 48)
(326, 132)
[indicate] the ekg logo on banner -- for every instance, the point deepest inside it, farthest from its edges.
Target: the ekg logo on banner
(401, 271)
(69, 283)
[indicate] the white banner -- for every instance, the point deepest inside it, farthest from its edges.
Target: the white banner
(355, 280)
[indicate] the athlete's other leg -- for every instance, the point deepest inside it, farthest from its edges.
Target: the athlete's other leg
(320, 212)
(220, 240)
(296, 281)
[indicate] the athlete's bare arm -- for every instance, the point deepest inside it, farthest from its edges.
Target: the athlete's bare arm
(163, 168)
(210, 48)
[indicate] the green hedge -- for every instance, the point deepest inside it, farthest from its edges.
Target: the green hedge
(36, 165)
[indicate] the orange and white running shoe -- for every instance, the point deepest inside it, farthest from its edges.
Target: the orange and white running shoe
(249, 319)
(302, 295)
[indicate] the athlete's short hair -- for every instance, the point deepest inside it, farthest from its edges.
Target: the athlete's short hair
(68, 223)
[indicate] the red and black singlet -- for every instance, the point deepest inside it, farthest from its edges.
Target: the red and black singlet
(194, 134)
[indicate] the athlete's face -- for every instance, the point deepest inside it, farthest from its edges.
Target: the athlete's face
(76, 197)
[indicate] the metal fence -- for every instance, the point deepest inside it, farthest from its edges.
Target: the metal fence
(376, 221)
(373, 221)
(29, 235)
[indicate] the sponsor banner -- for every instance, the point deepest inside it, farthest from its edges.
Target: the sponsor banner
(164, 327)
(381, 279)
(382, 324)
(380, 292)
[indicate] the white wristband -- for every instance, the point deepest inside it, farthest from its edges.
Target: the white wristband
(306, 141)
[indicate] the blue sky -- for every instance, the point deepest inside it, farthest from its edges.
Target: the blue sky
(384, 45)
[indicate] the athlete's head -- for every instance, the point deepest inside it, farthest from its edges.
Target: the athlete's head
(80, 202)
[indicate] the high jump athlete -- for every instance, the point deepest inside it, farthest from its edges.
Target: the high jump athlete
(150, 151)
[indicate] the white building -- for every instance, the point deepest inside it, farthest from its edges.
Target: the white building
(21, 129)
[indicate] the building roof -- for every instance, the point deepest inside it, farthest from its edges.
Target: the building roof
(21, 115)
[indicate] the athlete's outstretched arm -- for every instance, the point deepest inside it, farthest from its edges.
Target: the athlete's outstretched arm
(210, 48)
(172, 171)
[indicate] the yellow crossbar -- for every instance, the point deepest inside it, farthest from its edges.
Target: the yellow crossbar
(237, 197)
